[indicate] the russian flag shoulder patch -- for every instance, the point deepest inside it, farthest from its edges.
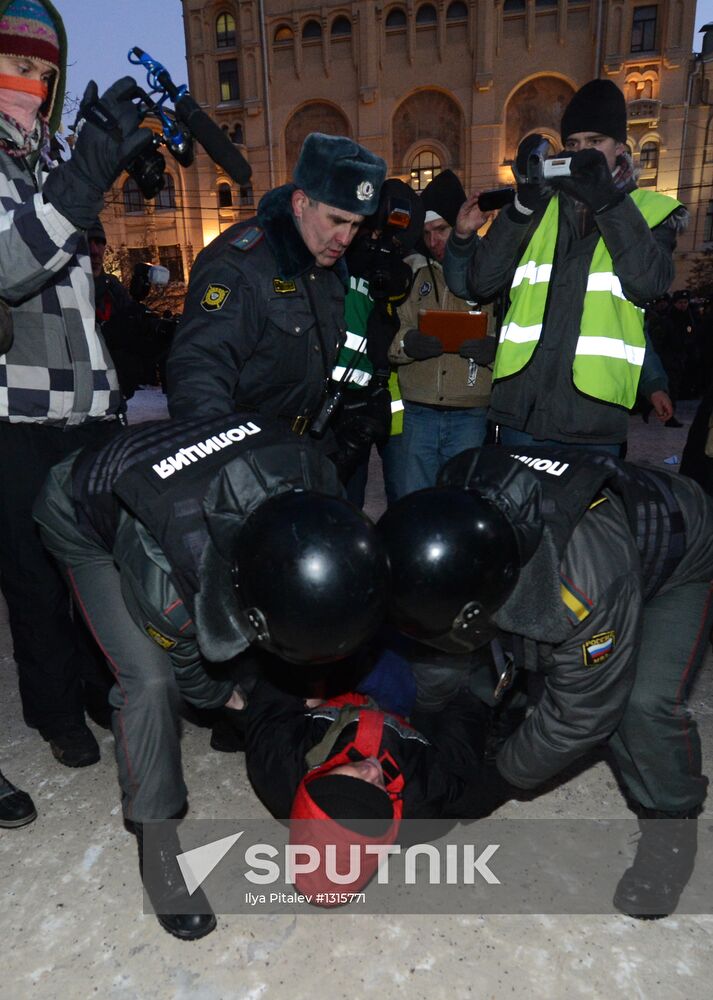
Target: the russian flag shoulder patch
(599, 648)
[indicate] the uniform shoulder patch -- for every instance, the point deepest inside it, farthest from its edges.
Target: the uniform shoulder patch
(425, 288)
(599, 648)
(158, 637)
(248, 238)
(215, 297)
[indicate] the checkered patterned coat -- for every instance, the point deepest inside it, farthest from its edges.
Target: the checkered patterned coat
(58, 370)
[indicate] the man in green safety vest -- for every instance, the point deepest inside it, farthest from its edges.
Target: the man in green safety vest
(580, 251)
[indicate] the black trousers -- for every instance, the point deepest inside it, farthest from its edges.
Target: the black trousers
(51, 652)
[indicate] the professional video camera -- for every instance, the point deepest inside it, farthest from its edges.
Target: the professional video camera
(541, 167)
(179, 128)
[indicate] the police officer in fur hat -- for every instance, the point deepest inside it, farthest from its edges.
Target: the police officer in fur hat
(264, 316)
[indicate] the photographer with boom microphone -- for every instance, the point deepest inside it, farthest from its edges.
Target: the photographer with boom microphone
(580, 250)
(59, 386)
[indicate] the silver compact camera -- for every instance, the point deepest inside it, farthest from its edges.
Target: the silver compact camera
(541, 167)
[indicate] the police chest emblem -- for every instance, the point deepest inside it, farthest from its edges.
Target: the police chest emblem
(215, 297)
(365, 191)
(158, 637)
(425, 288)
(598, 649)
(283, 287)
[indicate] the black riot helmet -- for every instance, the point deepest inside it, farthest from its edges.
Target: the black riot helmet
(311, 576)
(454, 560)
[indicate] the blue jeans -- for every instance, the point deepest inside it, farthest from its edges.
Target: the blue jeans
(431, 436)
(512, 438)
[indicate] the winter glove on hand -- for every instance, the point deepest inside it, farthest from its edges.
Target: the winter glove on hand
(590, 181)
(481, 350)
(529, 195)
(108, 140)
(421, 346)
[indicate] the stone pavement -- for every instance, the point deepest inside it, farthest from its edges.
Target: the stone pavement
(71, 921)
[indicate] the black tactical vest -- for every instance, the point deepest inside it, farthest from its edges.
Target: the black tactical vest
(161, 473)
(558, 485)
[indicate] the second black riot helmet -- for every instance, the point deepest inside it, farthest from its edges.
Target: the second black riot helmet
(454, 560)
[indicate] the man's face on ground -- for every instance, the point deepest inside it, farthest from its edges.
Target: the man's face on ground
(325, 230)
(595, 140)
(97, 249)
(435, 236)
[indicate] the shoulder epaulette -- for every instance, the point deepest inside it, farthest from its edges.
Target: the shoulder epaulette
(248, 238)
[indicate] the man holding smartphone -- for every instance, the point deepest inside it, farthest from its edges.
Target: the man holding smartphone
(445, 391)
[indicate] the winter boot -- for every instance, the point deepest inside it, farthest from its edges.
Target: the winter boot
(165, 886)
(664, 862)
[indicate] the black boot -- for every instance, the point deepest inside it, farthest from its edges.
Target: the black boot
(664, 862)
(16, 806)
(165, 887)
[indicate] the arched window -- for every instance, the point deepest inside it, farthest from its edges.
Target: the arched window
(312, 31)
(225, 195)
(134, 203)
(284, 35)
(649, 158)
(424, 168)
(341, 27)
(225, 31)
(426, 14)
(396, 18)
(457, 12)
(166, 198)
(237, 136)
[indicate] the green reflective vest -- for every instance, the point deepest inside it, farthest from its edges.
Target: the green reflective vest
(611, 345)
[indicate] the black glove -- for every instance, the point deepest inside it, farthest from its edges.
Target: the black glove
(108, 140)
(590, 181)
(421, 346)
(481, 350)
(530, 195)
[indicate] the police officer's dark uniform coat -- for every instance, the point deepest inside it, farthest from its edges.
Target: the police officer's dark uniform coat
(262, 325)
(613, 606)
(144, 530)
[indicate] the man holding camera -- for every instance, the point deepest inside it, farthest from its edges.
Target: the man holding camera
(580, 253)
(445, 394)
(264, 315)
(59, 389)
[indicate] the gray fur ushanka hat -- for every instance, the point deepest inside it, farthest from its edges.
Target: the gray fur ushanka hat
(340, 172)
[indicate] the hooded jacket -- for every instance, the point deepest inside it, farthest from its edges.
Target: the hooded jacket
(58, 370)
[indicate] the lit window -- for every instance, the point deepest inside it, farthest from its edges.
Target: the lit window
(649, 158)
(284, 35)
(643, 29)
(424, 168)
(228, 80)
(225, 31)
